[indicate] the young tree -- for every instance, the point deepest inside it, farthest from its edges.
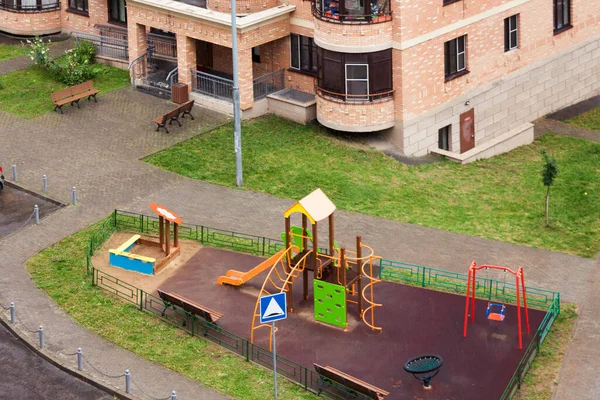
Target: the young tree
(549, 172)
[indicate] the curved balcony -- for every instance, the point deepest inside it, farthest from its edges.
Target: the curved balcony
(352, 11)
(241, 6)
(30, 18)
(355, 113)
(352, 38)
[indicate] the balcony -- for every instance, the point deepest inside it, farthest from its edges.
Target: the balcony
(29, 6)
(355, 113)
(356, 12)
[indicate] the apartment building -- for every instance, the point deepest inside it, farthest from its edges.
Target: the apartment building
(446, 76)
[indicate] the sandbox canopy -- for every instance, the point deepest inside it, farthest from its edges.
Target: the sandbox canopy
(316, 206)
(165, 213)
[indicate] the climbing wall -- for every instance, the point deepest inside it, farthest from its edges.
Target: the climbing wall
(330, 303)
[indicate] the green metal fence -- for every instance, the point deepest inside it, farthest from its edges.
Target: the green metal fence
(411, 274)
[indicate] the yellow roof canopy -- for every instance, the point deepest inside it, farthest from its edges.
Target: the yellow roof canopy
(316, 206)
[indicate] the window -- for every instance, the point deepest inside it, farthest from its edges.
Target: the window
(562, 15)
(511, 36)
(355, 76)
(353, 10)
(357, 81)
(78, 5)
(117, 11)
(303, 54)
(256, 54)
(444, 138)
(455, 60)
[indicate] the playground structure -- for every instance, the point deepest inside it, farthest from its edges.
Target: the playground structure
(123, 258)
(490, 314)
(340, 277)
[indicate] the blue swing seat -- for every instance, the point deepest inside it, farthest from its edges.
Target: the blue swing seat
(495, 316)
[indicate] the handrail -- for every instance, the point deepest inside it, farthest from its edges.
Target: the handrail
(379, 17)
(355, 98)
(172, 76)
(37, 8)
(135, 60)
(212, 76)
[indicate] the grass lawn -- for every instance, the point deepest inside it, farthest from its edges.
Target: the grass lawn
(8, 51)
(60, 271)
(589, 120)
(26, 93)
(500, 198)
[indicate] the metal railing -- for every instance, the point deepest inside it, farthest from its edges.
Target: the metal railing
(172, 77)
(269, 83)
(106, 46)
(163, 45)
(39, 6)
(331, 16)
(139, 66)
(117, 32)
(355, 98)
(212, 85)
(390, 270)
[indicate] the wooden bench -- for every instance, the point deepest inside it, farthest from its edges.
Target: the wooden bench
(73, 94)
(328, 374)
(186, 109)
(189, 306)
(173, 115)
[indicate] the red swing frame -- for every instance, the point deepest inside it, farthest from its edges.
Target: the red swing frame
(519, 284)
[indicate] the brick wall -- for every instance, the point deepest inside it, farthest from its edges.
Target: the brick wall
(241, 6)
(98, 14)
(353, 36)
(559, 80)
(355, 117)
(30, 23)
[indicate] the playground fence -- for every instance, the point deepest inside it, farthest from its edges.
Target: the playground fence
(411, 274)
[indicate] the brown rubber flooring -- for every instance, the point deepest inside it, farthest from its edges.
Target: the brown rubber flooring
(415, 321)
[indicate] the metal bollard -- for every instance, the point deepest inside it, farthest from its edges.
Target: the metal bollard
(45, 184)
(173, 395)
(12, 312)
(14, 168)
(41, 330)
(36, 212)
(74, 195)
(127, 381)
(79, 359)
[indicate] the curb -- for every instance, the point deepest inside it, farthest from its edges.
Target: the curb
(31, 192)
(49, 358)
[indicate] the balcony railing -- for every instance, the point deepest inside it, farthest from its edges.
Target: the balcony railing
(163, 45)
(212, 85)
(373, 15)
(30, 6)
(269, 83)
(355, 98)
(106, 46)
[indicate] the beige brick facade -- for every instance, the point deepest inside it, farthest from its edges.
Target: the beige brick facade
(545, 72)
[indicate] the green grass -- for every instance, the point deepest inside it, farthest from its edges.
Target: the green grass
(541, 378)
(26, 92)
(60, 271)
(8, 51)
(500, 198)
(588, 120)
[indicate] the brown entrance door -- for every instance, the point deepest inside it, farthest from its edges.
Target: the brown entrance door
(204, 56)
(467, 130)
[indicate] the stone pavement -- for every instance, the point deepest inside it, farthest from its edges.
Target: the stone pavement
(17, 63)
(97, 149)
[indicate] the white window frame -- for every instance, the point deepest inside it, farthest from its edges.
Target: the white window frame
(512, 46)
(463, 53)
(346, 79)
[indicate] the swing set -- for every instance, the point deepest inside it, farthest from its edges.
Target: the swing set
(495, 311)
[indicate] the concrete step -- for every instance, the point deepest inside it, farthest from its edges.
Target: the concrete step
(154, 90)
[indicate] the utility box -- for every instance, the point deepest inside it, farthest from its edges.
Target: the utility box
(180, 93)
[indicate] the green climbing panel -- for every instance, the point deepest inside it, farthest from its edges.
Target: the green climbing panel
(330, 303)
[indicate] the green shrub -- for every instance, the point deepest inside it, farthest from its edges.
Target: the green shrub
(39, 51)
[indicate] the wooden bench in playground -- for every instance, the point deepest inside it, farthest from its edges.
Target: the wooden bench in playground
(174, 115)
(188, 305)
(73, 94)
(328, 374)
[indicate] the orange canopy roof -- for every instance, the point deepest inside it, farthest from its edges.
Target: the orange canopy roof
(165, 213)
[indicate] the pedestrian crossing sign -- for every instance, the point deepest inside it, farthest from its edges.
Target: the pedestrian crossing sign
(273, 308)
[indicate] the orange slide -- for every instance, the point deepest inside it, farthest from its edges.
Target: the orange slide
(237, 278)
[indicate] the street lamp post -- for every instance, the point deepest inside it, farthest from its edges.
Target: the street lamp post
(237, 125)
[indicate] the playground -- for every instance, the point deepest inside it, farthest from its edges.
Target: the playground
(356, 329)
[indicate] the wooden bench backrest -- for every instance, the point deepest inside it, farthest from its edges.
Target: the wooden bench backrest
(187, 106)
(173, 113)
(61, 94)
(355, 384)
(189, 305)
(83, 87)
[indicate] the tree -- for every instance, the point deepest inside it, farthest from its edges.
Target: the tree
(549, 172)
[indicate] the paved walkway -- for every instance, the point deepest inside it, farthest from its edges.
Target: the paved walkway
(17, 63)
(97, 149)
(561, 128)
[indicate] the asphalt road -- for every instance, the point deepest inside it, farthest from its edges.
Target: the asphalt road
(27, 376)
(16, 206)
